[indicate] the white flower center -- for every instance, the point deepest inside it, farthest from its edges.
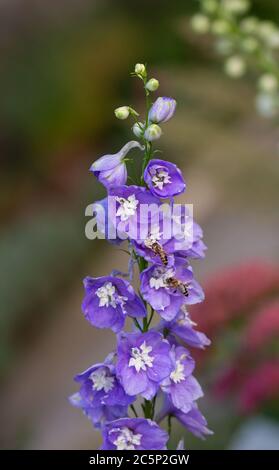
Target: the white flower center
(160, 277)
(109, 297)
(178, 374)
(140, 358)
(102, 381)
(127, 207)
(127, 440)
(161, 178)
(154, 236)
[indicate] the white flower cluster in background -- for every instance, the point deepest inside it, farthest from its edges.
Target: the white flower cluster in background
(247, 44)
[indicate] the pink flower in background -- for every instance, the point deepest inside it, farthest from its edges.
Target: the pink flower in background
(260, 386)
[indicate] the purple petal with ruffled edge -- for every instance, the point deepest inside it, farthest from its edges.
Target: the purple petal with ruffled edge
(143, 362)
(164, 179)
(108, 300)
(134, 434)
(111, 170)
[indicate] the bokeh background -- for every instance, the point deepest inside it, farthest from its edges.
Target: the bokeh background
(64, 68)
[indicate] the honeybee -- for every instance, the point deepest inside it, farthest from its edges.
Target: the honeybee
(178, 285)
(158, 250)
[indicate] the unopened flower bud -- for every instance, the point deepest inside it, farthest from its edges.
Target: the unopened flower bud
(220, 27)
(138, 128)
(250, 45)
(152, 84)
(268, 83)
(153, 132)
(250, 25)
(122, 112)
(162, 110)
(235, 67)
(140, 70)
(200, 23)
(210, 6)
(237, 7)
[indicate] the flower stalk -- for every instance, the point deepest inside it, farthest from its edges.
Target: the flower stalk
(147, 361)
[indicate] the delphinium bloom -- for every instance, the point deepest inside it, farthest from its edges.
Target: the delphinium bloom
(167, 289)
(101, 396)
(144, 361)
(162, 239)
(164, 179)
(134, 434)
(111, 169)
(108, 300)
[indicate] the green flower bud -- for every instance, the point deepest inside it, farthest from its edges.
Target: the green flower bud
(235, 67)
(220, 27)
(250, 45)
(200, 23)
(152, 84)
(268, 83)
(250, 25)
(140, 70)
(209, 6)
(153, 132)
(138, 129)
(122, 112)
(236, 7)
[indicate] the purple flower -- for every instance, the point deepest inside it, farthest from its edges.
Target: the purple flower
(101, 396)
(111, 169)
(134, 434)
(98, 415)
(166, 238)
(183, 328)
(164, 179)
(143, 362)
(108, 300)
(182, 388)
(168, 288)
(162, 110)
(189, 230)
(135, 208)
(193, 420)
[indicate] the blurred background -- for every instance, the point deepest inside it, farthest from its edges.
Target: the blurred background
(64, 68)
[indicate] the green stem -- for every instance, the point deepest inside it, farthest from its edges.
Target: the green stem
(148, 406)
(169, 424)
(134, 410)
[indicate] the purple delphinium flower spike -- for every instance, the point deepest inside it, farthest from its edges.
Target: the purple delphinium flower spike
(181, 387)
(162, 110)
(108, 300)
(134, 434)
(162, 236)
(168, 288)
(143, 362)
(111, 169)
(183, 328)
(101, 396)
(164, 179)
